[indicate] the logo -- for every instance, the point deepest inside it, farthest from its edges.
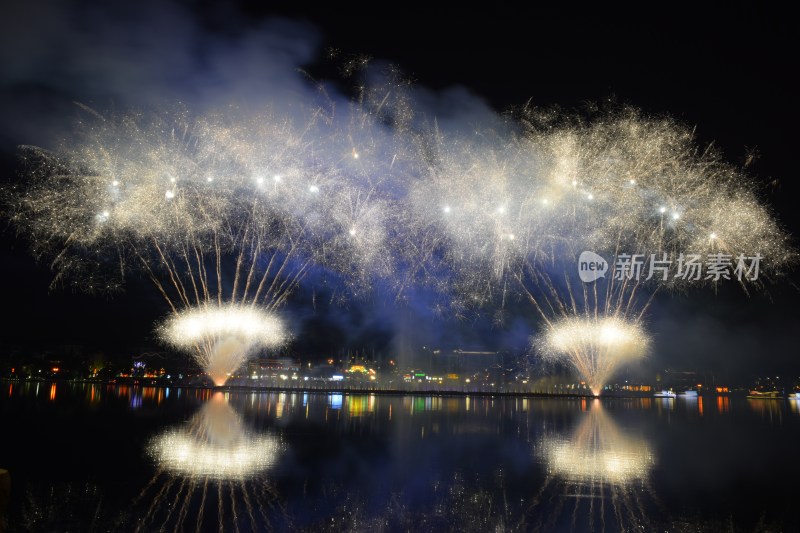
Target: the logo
(591, 267)
(688, 267)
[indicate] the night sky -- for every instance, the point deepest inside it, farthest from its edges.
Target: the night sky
(727, 71)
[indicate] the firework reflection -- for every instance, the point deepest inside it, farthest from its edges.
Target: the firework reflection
(597, 478)
(211, 472)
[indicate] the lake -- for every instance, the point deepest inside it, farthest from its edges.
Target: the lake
(94, 457)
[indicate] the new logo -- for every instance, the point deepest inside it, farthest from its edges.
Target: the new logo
(591, 267)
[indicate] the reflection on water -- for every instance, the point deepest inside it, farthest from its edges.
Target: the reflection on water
(794, 405)
(597, 453)
(139, 396)
(596, 477)
(335, 401)
(769, 408)
(214, 444)
(358, 406)
(49, 508)
(193, 460)
(723, 404)
(211, 474)
(665, 404)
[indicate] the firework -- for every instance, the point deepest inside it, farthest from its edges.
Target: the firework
(506, 205)
(514, 212)
(226, 210)
(222, 338)
(220, 212)
(193, 202)
(596, 347)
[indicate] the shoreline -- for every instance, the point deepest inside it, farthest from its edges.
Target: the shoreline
(238, 388)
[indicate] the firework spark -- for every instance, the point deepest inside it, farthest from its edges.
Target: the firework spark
(533, 200)
(222, 338)
(596, 347)
(223, 212)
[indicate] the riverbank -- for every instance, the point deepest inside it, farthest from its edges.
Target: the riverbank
(371, 388)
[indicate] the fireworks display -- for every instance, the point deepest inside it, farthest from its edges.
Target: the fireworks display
(214, 209)
(219, 212)
(515, 212)
(232, 211)
(596, 347)
(520, 207)
(222, 338)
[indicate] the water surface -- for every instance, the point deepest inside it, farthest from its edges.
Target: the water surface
(90, 457)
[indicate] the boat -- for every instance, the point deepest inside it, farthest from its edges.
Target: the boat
(664, 394)
(794, 396)
(765, 395)
(688, 394)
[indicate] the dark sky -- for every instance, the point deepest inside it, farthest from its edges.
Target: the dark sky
(727, 71)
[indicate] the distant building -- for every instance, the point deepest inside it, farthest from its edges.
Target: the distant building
(273, 367)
